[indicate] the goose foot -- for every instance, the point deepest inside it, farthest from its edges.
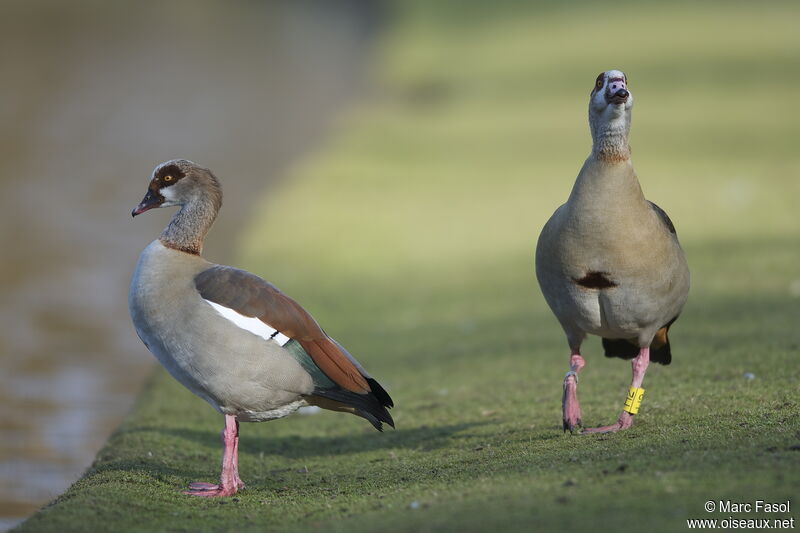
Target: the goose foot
(639, 367)
(209, 490)
(624, 422)
(229, 481)
(570, 408)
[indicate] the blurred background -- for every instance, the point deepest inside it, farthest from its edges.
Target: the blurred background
(94, 94)
(467, 137)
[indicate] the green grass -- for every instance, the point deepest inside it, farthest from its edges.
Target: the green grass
(410, 237)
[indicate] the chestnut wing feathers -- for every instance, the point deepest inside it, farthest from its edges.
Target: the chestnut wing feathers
(251, 296)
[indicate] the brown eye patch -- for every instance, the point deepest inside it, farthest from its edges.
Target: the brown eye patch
(598, 84)
(168, 174)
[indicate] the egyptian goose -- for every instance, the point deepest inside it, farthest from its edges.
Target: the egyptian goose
(608, 261)
(227, 335)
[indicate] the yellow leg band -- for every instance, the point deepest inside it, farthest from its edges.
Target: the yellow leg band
(634, 400)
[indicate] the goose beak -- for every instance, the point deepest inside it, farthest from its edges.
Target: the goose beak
(617, 91)
(151, 200)
(619, 97)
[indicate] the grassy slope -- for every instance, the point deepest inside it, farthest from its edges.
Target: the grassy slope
(410, 238)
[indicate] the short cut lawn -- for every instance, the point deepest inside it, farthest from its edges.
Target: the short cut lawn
(410, 237)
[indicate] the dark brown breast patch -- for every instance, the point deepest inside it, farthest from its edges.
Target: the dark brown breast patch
(595, 280)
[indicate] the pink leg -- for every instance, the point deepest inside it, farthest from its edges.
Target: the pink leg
(236, 478)
(639, 365)
(570, 408)
(229, 478)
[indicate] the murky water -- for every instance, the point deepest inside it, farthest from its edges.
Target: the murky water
(93, 95)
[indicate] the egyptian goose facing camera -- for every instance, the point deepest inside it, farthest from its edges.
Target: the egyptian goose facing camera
(608, 261)
(229, 336)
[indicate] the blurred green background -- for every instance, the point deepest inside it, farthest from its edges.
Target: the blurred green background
(409, 235)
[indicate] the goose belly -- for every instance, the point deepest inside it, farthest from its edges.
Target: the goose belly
(589, 298)
(236, 371)
(603, 312)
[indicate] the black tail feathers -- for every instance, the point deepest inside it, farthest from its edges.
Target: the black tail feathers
(371, 406)
(380, 393)
(625, 350)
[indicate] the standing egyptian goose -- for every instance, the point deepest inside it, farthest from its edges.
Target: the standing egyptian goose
(229, 336)
(608, 261)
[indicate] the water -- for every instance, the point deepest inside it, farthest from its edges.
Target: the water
(93, 95)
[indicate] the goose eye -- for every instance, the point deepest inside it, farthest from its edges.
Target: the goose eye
(599, 84)
(167, 178)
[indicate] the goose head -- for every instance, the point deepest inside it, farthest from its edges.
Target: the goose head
(610, 105)
(610, 94)
(180, 182)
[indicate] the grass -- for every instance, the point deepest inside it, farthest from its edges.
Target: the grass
(410, 237)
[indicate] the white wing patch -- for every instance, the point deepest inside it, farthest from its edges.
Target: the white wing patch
(251, 324)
